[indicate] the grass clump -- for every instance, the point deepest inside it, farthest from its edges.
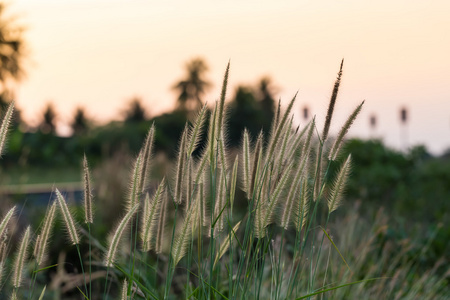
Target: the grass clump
(196, 236)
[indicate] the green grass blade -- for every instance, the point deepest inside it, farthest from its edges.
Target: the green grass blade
(335, 247)
(42, 269)
(42, 293)
(340, 286)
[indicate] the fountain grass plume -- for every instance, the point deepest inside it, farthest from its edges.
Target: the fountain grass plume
(183, 235)
(226, 243)
(147, 158)
(339, 185)
(180, 167)
(205, 209)
(161, 226)
(3, 253)
(135, 189)
(307, 144)
(117, 236)
(330, 110)
(280, 160)
(276, 121)
(212, 137)
(88, 211)
(246, 163)
(274, 138)
(334, 151)
(274, 199)
(289, 204)
(302, 206)
(195, 132)
(5, 126)
(234, 174)
(124, 290)
(150, 218)
(223, 160)
(71, 225)
(220, 203)
(257, 156)
(294, 144)
(43, 238)
(20, 261)
(220, 116)
(5, 221)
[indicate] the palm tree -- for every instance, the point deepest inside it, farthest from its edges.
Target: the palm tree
(193, 86)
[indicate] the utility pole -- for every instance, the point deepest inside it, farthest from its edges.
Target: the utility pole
(404, 128)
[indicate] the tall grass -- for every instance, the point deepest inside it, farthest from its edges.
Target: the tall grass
(194, 239)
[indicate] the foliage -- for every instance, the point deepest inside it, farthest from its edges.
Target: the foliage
(193, 86)
(11, 50)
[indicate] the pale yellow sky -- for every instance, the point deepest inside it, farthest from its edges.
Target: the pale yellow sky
(99, 54)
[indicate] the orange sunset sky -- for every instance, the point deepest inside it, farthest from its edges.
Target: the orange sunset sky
(98, 54)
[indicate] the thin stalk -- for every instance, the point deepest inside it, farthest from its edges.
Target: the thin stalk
(134, 245)
(33, 280)
(279, 280)
(106, 282)
(169, 269)
(90, 261)
(82, 268)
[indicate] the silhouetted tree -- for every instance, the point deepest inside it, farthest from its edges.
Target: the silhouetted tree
(251, 108)
(193, 86)
(80, 122)
(135, 111)
(243, 113)
(11, 51)
(48, 122)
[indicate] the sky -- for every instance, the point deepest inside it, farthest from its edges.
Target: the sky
(99, 54)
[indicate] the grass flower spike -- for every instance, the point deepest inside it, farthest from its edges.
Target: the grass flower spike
(115, 239)
(19, 264)
(42, 241)
(5, 126)
(71, 225)
(339, 186)
(88, 214)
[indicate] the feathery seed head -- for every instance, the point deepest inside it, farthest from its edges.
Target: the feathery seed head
(219, 121)
(116, 238)
(71, 225)
(43, 238)
(195, 132)
(161, 226)
(150, 218)
(146, 158)
(124, 293)
(274, 139)
(181, 167)
(181, 239)
(19, 264)
(339, 186)
(226, 243)
(5, 221)
(334, 94)
(302, 206)
(334, 152)
(5, 126)
(135, 188)
(88, 211)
